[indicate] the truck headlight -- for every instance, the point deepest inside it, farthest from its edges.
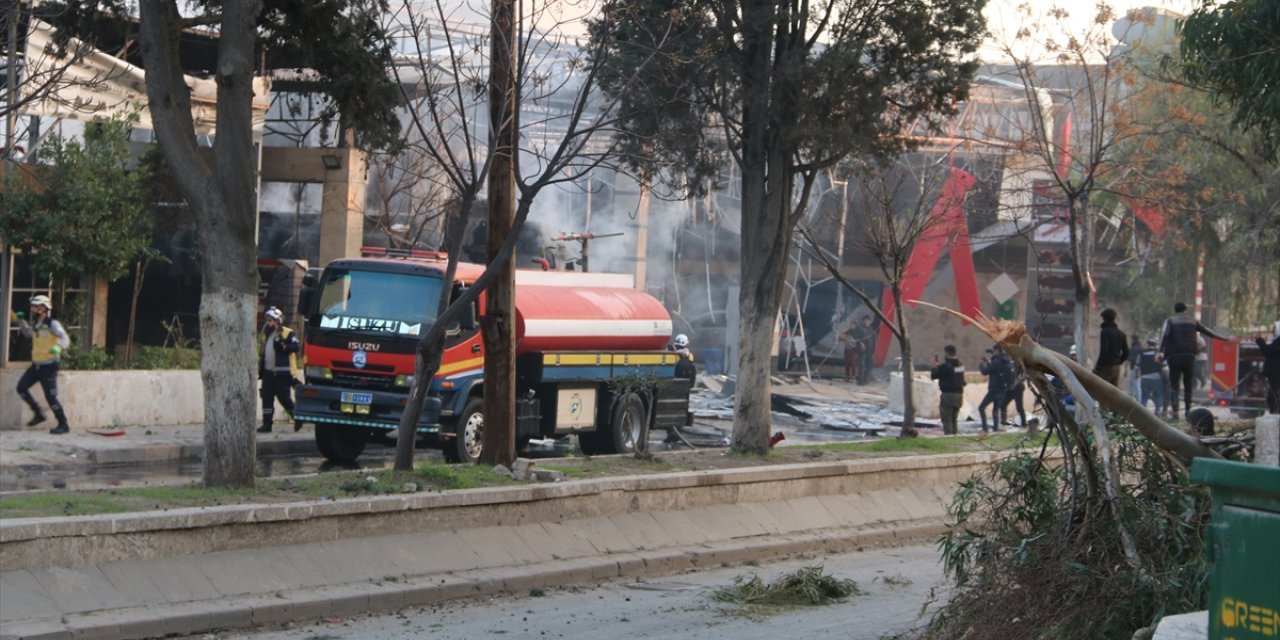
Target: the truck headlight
(322, 373)
(403, 380)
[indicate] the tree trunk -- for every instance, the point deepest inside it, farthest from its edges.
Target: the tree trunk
(908, 377)
(498, 323)
(139, 270)
(1080, 268)
(430, 348)
(1094, 391)
(223, 198)
(757, 303)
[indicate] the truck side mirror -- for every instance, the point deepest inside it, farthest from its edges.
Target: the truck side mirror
(467, 321)
(308, 291)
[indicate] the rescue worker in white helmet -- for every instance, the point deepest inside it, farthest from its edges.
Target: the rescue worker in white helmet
(48, 341)
(684, 369)
(684, 366)
(277, 366)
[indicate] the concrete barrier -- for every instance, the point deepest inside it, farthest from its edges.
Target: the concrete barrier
(95, 399)
(38, 543)
(196, 570)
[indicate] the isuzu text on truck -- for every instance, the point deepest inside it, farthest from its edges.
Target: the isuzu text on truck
(590, 358)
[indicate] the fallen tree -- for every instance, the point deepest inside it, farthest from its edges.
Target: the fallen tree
(1101, 542)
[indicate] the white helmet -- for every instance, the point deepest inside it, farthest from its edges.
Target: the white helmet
(274, 314)
(1073, 351)
(42, 301)
(681, 341)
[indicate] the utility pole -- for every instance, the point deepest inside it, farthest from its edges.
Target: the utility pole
(498, 323)
(584, 239)
(10, 142)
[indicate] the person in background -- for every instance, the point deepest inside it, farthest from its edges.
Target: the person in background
(1202, 362)
(1149, 373)
(684, 369)
(1135, 347)
(48, 341)
(1015, 393)
(866, 337)
(684, 366)
(999, 371)
(1113, 349)
(1178, 344)
(950, 376)
(1271, 368)
(277, 366)
(849, 338)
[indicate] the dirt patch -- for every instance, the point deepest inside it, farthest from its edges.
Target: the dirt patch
(704, 459)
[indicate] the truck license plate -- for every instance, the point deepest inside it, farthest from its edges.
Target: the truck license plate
(357, 398)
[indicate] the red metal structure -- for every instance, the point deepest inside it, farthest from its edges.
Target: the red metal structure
(948, 231)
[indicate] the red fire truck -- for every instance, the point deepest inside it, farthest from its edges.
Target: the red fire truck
(1238, 384)
(590, 358)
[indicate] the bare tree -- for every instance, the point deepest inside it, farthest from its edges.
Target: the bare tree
(560, 119)
(46, 71)
(904, 203)
(1074, 80)
(410, 198)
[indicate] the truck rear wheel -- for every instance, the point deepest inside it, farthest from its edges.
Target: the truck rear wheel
(340, 443)
(469, 434)
(628, 424)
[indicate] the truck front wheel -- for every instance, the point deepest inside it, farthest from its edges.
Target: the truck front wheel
(340, 443)
(468, 434)
(628, 425)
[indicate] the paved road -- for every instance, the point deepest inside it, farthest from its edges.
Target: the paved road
(897, 583)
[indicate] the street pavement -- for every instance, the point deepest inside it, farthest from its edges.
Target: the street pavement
(898, 589)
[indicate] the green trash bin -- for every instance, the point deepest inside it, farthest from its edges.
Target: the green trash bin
(1244, 546)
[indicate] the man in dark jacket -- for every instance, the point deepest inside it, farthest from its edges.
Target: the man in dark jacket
(999, 372)
(1113, 349)
(950, 376)
(1271, 368)
(1178, 344)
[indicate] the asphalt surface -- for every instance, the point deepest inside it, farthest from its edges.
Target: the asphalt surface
(896, 584)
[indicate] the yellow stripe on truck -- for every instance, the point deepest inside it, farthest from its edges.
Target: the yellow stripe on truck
(597, 359)
(462, 365)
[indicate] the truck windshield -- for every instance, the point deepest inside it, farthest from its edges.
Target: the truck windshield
(378, 301)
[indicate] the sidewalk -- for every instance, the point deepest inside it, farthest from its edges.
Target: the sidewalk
(36, 447)
(200, 570)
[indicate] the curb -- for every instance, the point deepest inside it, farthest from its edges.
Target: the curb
(170, 452)
(179, 452)
(359, 598)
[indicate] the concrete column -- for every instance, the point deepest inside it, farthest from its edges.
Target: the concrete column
(642, 237)
(342, 204)
(98, 312)
(1268, 440)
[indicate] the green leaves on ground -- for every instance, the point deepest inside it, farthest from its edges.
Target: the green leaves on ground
(805, 587)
